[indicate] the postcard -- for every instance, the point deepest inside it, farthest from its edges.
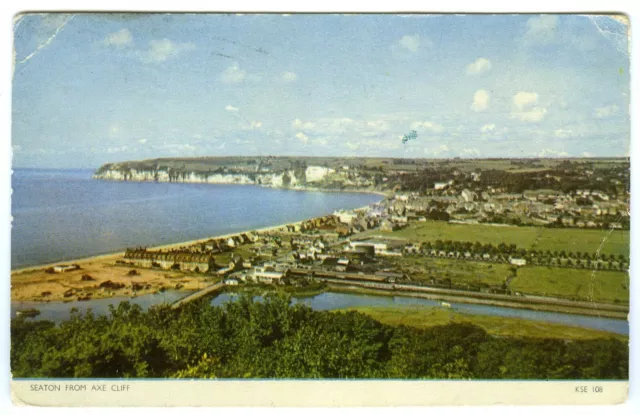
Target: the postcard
(266, 209)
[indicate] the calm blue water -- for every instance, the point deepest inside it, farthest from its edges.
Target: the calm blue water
(337, 301)
(64, 214)
(58, 311)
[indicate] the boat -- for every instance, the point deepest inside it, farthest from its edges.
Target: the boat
(28, 312)
(445, 304)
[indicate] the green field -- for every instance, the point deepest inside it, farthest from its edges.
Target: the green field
(528, 237)
(424, 317)
(462, 272)
(575, 284)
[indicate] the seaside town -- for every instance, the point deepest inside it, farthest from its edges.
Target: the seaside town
(461, 236)
(338, 196)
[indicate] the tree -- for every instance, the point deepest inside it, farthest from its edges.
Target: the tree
(274, 338)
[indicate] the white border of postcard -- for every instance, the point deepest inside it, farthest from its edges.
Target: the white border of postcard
(320, 393)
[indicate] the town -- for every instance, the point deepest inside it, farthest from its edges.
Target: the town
(462, 234)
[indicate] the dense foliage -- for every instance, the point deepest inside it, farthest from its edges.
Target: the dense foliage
(274, 339)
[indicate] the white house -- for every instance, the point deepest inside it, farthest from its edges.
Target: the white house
(518, 261)
(345, 216)
(267, 275)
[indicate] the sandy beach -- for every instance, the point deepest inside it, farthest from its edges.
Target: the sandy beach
(34, 283)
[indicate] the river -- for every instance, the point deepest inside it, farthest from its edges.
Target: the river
(59, 311)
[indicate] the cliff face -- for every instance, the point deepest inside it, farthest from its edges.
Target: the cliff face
(284, 179)
(282, 172)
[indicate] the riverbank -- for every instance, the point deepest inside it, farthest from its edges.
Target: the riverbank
(469, 300)
(424, 313)
(423, 317)
(318, 288)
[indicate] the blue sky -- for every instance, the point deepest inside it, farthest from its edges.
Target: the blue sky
(95, 88)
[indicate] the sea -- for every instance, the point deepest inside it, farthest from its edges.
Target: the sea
(60, 215)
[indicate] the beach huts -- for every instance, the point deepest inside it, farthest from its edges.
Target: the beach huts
(65, 268)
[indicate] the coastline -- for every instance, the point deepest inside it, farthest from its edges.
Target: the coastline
(100, 277)
(31, 283)
(297, 188)
(173, 245)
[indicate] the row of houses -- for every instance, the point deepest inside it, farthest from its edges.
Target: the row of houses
(184, 261)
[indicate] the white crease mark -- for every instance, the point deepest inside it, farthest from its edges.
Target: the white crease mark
(595, 269)
(48, 41)
(619, 39)
(16, 22)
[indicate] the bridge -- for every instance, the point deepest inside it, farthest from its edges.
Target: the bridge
(198, 294)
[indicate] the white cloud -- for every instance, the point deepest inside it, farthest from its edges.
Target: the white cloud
(535, 114)
(560, 133)
(605, 112)
(480, 100)
(587, 154)
(253, 125)
(333, 126)
(437, 151)
(427, 125)
(523, 99)
(164, 49)
(231, 108)
(320, 141)
(233, 74)
(479, 66)
(379, 125)
(302, 137)
(474, 152)
(541, 30)
(289, 76)
(352, 146)
(411, 43)
(142, 141)
(527, 110)
(547, 152)
(178, 148)
(487, 128)
(121, 38)
(298, 124)
(379, 143)
(112, 150)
